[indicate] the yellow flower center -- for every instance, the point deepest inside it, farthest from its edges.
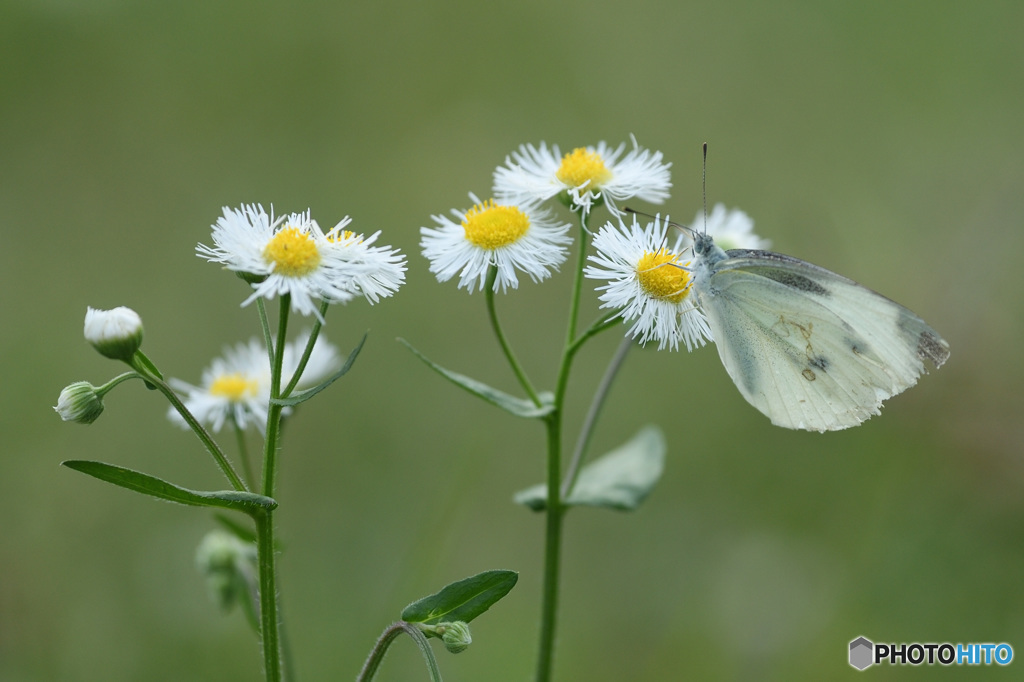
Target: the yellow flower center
(293, 253)
(582, 165)
(661, 277)
(491, 226)
(343, 236)
(234, 387)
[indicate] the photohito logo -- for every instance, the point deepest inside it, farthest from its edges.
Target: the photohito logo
(865, 653)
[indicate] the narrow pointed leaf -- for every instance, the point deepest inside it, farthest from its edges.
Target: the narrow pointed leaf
(141, 358)
(619, 480)
(511, 404)
(155, 487)
(462, 600)
(303, 396)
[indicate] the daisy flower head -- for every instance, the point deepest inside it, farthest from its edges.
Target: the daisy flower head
(292, 255)
(730, 228)
(235, 386)
(584, 177)
(506, 235)
(648, 281)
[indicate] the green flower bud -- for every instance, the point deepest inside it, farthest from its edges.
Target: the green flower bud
(79, 403)
(228, 564)
(455, 636)
(116, 333)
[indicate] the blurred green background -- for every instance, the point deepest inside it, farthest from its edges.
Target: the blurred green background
(883, 140)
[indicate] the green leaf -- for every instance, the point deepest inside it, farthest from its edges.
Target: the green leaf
(147, 364)
(248, 503)
(511, 404)
(620, 479)
(303, 396)
(462, 600)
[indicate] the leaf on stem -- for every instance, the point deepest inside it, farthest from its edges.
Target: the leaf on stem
(248, 503)
(511, 404)
(619, 480)
(462, 600)
(303, 396)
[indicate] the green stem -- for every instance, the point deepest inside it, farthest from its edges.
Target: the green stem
(307, 351)
(577, 283)
(552, 551)
(555, 509)
(593, 413)
(243, 453)
(120, 378)
(268, 338)
(274, 413)
(389, 635)
(268, 596)
(492, 313)
(142, 366)
(265, 521)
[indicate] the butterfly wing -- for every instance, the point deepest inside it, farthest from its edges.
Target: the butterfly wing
(809, 348)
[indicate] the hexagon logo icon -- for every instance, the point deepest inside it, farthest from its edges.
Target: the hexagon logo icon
(861, 653)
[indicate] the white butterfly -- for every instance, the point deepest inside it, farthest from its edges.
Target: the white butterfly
(807, 347)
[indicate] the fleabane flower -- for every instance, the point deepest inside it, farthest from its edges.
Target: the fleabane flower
(730, 228)
(584, 177)
(648, 280)
(236, 386)
(506, 235)
(292, 255)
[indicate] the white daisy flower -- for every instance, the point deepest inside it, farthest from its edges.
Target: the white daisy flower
(731, 229)
(292, 255)
(648, 282)
(584, 176)
(506, 235)
(236, 386)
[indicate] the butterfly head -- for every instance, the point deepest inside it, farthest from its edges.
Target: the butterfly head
(703, 244)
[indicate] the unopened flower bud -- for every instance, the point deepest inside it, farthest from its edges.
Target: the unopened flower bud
(79, 403)
(227, 563)
(116, 333)
(455, 636)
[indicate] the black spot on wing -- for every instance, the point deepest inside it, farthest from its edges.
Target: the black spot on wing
(820, 362)
(859, 346)
(793, 281)
(931, 347)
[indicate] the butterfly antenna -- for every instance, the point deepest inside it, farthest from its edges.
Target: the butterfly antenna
(678, 226)
(704, 186)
